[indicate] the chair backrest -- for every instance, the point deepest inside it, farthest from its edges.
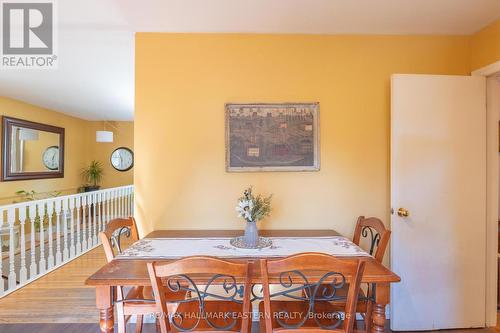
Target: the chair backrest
(301, 303)
(111, 237)
(376, 233)
(219, 289)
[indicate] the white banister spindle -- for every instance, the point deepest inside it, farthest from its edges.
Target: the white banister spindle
(84, 223)
(99, 212)
(111, 205)
(23, 272)
(41, 217)
(64, 214)
(125, 205)
(32, 217)
(78, 204)
(106, 208)
(53, 215)
(94, 219)
(115, 201)
(124, 202)
(11, 219)
(132, 200)
(2, 287)
(115, 204)
(102, 210)
(129, 212)
(72, 248)
(89, 221)
(120, 205)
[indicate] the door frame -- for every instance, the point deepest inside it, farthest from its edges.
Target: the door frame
(492, 200)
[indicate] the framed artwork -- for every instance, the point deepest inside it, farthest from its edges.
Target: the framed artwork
(272, 137)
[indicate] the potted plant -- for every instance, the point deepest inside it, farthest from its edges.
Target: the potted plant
(92, 176)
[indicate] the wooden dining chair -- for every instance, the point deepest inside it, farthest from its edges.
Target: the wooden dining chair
(372, 232)
(113, 234)
(138, 300)
(375, 232)
(372, 235)
(290, 309)
(219, 289)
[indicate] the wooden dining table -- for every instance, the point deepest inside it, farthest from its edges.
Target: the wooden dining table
(133, 272)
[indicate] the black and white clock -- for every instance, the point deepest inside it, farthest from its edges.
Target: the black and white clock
(122, 159)
(50, 158)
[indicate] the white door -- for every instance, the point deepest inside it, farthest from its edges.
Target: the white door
(438, 173)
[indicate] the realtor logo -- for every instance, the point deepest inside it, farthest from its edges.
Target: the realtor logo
(28, 34)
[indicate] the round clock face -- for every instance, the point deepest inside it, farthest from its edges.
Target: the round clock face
(50, 158)
(122, 159)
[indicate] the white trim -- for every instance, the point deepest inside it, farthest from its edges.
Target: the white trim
(493, 116)
(492, 203)
(487, 70)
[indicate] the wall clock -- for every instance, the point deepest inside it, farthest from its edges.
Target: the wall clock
(122, 159)
(50, 158)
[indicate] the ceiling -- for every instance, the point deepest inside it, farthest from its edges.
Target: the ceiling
(95, 76)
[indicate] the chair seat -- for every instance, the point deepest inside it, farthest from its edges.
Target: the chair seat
(187, 314)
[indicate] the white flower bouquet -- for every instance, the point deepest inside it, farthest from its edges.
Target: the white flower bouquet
(253, 208)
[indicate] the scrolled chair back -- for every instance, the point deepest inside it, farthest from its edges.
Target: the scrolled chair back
(376, 234)
(114, 233)
(219, 294)
(300, 303)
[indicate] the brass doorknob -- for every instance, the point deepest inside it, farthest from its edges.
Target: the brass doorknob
(402, 212)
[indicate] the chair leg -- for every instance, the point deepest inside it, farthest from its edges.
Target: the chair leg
(120, 318)
(163, 324)
(157, 324)
(368, 317)
(138, 324)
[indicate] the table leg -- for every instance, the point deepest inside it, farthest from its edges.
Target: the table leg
(378, 317)
(378, 313)
(105, 305)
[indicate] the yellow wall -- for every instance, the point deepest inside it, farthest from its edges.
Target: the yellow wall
(123, 137)
(183, 81)
(485, 46)
(80, 148)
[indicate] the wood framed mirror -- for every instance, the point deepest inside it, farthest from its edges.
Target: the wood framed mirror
(31, 150)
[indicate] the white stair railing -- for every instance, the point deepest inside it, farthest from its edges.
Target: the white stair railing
(39, 236)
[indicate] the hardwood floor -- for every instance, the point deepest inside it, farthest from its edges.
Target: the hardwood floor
(60, 302)
(59, 297)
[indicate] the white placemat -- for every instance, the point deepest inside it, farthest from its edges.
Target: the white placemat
(174, 248)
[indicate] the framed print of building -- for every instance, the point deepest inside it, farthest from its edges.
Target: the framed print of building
(272, 137)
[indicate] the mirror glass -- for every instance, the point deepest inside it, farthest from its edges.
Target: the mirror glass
(34, 150)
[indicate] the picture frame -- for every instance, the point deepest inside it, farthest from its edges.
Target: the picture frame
(272, 137)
